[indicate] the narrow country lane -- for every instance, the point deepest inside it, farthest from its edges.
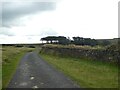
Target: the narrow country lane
(34, 72)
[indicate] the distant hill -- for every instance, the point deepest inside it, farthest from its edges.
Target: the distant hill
(112, 41)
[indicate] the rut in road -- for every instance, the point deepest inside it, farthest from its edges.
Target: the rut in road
(34, 72)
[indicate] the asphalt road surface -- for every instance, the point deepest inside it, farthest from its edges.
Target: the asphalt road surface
(34, 72)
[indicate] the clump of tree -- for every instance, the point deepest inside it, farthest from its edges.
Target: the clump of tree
(84, 41)
(76, 40)
(56, 39)
(104, 42)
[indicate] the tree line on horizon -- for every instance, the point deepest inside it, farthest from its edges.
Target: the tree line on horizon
(76, 40)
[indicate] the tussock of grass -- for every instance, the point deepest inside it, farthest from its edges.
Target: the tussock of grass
(10, 58)
(87, 73)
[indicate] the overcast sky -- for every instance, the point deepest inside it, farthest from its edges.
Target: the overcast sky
(26, 21)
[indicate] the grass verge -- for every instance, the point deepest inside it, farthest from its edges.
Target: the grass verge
(10, 59)
(86, 73)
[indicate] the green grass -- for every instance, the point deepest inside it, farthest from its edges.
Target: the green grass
(10, 59)
(86, 73)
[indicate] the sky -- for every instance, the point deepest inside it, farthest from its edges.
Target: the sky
(26, 21)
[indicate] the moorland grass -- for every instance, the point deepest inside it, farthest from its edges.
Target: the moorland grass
(10, 59)
(86, 73)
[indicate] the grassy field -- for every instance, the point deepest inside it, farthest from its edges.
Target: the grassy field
(11, 56)
(86, 73)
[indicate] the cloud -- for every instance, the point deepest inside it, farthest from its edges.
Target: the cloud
(5, 32)
(43, 32)
(13, 11)
(48, 32)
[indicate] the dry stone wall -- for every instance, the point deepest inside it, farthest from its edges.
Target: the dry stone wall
(95, 54)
